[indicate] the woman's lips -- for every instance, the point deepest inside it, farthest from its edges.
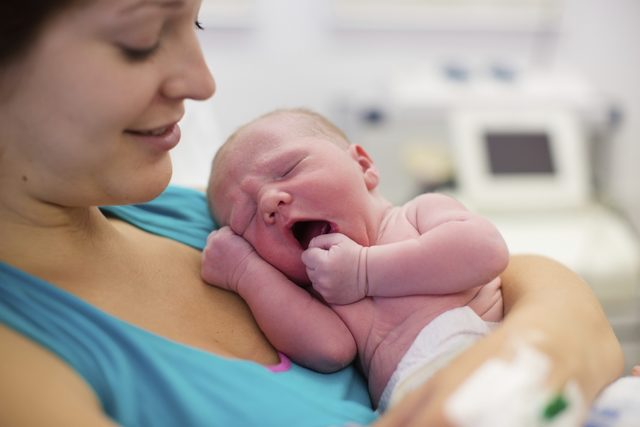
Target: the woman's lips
(163, 138)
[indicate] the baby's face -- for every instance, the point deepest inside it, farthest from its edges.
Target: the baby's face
(278, 187)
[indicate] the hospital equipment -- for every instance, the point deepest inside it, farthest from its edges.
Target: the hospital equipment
(528, 171)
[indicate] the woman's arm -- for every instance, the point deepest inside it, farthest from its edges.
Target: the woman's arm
(39, 389)
(546, 306)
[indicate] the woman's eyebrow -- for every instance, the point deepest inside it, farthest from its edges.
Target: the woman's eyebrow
(165, 4)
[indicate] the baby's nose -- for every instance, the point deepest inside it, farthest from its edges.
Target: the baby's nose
(271, 202)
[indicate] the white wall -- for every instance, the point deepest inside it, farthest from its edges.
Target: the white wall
(291, 54)
(601, 38)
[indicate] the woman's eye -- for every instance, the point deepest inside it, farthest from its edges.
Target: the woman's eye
(199, 25)
(139, 54)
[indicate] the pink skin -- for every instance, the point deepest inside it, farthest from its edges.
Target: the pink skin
(164, 138)
(337, 267)
(262, 201)
(295, 179)
(385, 271)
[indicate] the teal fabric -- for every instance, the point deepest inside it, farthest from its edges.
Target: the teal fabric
(179, 213)
(143, 379)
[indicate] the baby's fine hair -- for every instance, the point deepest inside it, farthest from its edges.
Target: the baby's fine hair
(317, 124)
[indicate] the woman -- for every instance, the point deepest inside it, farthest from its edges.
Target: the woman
(104, 316)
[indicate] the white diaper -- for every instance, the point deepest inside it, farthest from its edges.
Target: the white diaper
(441, 340)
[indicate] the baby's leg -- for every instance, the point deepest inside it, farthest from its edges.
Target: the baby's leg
(635, 371)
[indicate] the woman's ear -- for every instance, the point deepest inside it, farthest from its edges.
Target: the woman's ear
(369, 171)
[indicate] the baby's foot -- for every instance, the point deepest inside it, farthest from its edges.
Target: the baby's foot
(635, 371)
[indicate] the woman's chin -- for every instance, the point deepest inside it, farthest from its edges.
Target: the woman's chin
(144, 187)
(154, 187)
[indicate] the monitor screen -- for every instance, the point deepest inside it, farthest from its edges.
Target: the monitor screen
(519, 152)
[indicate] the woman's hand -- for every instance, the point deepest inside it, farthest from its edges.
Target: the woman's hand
(548, 308)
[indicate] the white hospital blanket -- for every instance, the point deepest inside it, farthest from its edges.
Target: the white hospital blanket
(618, 405)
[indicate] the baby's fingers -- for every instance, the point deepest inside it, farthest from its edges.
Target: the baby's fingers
(325, 241)
(313, 257)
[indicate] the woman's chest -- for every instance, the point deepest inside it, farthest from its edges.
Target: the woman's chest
(160, 290)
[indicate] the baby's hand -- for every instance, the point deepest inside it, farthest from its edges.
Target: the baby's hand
(224, 258)
(336, 266)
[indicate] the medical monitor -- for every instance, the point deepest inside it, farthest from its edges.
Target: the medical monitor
(520, 159)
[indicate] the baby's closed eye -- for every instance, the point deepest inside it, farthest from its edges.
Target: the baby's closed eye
(290, 168)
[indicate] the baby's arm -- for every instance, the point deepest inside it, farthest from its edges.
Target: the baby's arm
(296, 323)
(456, 250)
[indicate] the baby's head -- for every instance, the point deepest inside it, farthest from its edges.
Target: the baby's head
(302, 121)
(297, 122)
(287, 177)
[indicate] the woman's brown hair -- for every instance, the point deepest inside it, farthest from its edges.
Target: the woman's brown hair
(23, 21)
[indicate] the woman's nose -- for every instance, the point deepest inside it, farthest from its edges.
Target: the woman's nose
(191, 78)
(271, 201)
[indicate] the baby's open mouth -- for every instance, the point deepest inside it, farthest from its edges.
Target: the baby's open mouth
(305, 231)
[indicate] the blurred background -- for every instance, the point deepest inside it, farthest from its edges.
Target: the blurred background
(444, 92)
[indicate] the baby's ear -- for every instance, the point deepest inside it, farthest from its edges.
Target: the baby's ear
(369, 171)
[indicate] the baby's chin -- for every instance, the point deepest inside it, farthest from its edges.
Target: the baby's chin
(298, 275)
(289, 264)
(301, 280)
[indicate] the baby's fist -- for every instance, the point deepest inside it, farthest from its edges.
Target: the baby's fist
(336, 266)
(224, 258)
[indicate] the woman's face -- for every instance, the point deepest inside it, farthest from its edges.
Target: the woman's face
(89, 115)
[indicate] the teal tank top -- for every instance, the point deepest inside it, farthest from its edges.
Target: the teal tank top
(143, 379)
